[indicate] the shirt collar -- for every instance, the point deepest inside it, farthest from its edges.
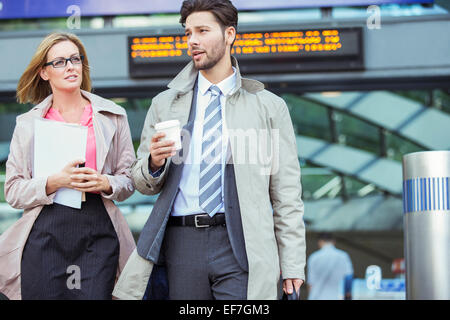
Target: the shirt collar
(225, 85)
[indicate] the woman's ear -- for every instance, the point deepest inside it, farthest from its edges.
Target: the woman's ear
(43, 74)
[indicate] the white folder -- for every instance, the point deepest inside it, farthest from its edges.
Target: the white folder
(55, 145)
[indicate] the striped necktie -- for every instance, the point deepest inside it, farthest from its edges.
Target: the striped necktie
(210, 193)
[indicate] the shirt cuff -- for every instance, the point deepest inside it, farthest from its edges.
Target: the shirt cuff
(158, 172)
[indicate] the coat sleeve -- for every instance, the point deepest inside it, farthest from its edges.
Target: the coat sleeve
(21, 190)
(285, 192)
(143, 180)
(120, 179)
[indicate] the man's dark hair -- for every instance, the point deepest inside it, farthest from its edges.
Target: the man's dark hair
(326, 236)
(224, 11)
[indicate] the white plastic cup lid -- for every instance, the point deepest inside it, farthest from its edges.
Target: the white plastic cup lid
(167, 124)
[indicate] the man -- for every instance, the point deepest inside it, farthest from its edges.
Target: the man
(225, 222)
(330, 271)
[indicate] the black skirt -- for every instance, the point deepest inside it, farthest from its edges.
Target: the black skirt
(71, 253)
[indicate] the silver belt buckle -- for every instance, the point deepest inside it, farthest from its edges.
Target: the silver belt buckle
(200, 225)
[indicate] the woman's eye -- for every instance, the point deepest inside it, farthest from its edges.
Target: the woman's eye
(59, 63)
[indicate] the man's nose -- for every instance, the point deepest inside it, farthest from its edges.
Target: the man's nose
(192, 40)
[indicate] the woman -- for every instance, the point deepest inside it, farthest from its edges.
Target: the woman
(55, 251)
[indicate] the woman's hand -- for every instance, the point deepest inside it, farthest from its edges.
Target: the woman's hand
(88, 180)
(62, 179)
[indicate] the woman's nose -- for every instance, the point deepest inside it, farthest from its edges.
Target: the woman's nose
(69, 65)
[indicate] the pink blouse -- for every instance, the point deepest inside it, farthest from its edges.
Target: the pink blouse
(86, 120)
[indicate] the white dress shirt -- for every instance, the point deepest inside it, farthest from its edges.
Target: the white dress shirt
(187, 199)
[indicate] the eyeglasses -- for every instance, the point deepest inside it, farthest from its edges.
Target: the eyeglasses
(62, 62)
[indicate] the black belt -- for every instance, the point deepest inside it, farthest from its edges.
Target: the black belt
(202, 220)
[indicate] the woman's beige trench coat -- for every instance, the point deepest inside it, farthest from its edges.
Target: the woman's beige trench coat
(115, 154)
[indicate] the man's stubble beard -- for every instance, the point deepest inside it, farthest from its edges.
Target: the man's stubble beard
(217, 55)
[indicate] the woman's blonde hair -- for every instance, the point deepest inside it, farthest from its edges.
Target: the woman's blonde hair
(31, 87)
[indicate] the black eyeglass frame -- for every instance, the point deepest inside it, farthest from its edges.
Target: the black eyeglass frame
(65, 61)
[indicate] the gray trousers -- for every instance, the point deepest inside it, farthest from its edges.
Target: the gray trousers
(201, 265)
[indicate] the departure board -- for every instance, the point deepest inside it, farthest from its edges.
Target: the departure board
(257, 52)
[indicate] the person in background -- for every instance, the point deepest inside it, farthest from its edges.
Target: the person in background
(328, 270)
(52, 242)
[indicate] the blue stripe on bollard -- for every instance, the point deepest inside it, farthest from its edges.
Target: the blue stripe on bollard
(418, 194)
(448, 195)
(438, 193)
(409, 195)
(443, 193)
(429, 194)
(404, 196)
(426, 194)
(421, 195)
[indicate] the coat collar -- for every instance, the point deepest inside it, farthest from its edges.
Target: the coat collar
(98, 103)
(185, 80)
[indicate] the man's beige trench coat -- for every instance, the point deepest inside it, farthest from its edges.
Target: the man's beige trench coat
(265, 180)
(115, 154)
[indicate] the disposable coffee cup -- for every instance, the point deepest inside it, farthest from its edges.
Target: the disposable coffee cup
(172, 130)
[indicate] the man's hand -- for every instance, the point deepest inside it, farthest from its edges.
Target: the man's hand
(160, 151)
(289, 284)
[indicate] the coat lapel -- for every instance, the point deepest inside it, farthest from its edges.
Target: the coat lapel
(181, 107)
(104, 130)
(104, 126)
